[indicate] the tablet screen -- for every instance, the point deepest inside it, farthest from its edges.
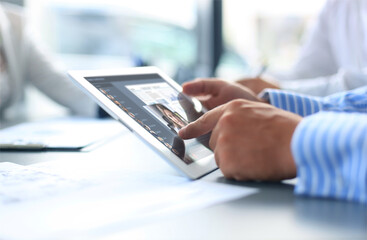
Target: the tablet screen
(159, 108)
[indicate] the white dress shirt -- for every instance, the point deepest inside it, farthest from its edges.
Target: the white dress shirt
(27, 64)
(334, 56)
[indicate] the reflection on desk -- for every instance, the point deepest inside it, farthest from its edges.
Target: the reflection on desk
(273, 212)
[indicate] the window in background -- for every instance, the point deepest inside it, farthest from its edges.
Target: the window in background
(112, 33)
(263, 31)
(177, 36)
(16, 2)
(183, 38)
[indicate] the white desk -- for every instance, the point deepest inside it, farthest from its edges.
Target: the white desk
(271, 213)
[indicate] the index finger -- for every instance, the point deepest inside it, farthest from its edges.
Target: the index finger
(203, 125)
(202, 86)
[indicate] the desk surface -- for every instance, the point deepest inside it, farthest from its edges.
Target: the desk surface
(271, 213)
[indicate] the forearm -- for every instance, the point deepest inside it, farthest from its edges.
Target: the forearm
(326, 85)
(330, 151)
(42, 73)
(4, 90)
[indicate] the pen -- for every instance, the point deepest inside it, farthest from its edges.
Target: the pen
(262, 70)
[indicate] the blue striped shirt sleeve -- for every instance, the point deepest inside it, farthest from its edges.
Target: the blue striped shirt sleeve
(330, 150)
(300, 104)
(303, 105)
(330, 144)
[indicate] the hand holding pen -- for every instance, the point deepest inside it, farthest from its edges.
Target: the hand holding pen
(258, 83)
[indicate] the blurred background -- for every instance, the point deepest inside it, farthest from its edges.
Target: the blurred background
(223, 38)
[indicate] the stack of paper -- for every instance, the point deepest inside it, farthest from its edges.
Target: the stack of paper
(59, 134)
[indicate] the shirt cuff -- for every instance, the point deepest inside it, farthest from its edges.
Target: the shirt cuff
(297, 103)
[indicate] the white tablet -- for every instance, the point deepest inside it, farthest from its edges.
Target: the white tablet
(150, 104)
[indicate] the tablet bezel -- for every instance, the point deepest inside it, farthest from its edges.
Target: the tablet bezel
(194, 170)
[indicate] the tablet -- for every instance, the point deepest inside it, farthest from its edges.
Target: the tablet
(151, 105)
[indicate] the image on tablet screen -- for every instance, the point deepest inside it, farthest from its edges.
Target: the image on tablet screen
(160, 109)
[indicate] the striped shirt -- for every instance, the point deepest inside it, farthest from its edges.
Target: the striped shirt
(329, 146)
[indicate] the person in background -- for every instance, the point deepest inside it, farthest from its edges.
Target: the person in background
(333, 58)
(22, 63)
(281, 135)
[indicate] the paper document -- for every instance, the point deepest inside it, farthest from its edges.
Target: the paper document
(65, 133)
(19, 183)
(35, 204)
